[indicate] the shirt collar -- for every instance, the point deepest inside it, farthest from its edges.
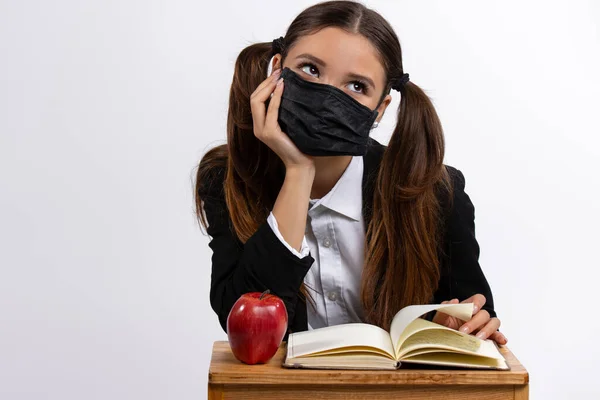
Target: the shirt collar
(346, 195)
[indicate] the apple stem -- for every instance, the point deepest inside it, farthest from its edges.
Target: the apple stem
(263, 294)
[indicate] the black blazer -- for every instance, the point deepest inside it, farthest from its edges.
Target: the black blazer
(263, 262)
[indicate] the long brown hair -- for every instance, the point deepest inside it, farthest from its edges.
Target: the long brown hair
(403, 237)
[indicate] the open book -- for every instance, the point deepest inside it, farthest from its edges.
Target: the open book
(411, 340)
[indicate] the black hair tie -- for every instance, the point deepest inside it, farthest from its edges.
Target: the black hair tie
(399, 83)
(278, 45)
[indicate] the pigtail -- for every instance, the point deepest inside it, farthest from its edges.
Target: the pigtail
(246, 161)
(253, 173)
(402, 243)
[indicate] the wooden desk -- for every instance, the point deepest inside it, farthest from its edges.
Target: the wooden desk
(228, 378)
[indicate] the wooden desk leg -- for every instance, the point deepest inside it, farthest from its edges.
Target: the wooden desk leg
(215, 392)
(522, 392)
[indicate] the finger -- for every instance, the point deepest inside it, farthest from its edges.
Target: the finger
(441, 317)
(272, 78)
(478, 300)
(480, 319)
(264, 90)
(491, 327)
(257, 101)
(273, 111)
(453, 301)
(498, 337)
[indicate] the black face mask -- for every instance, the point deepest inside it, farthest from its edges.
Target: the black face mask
(323, 120)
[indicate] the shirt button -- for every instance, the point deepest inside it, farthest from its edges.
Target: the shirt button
(332, 296)
(326, 242)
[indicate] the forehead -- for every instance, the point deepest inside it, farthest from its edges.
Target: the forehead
(343, 52)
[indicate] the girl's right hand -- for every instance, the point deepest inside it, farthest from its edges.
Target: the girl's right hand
(266, 127)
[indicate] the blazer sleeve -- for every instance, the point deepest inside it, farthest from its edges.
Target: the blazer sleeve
(461, 274)
(263, 262)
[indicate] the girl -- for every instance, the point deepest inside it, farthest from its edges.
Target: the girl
(303, 202)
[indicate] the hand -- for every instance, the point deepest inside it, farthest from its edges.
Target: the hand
(487, 327)
(266, 127)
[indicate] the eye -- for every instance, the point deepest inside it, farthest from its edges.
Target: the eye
(358, 87)
(310, 69)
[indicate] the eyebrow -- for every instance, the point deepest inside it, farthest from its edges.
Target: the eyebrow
(322, 63)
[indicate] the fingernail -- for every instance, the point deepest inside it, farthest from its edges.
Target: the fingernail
(277, 72)
(480, 335)
(464, 329)
(475, 309)
(280, 81)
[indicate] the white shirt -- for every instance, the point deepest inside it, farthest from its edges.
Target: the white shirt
(335, 237)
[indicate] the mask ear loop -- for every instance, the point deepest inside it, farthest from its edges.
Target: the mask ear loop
(277, 46)
(270, 67)
(376, 123)
(398, 84)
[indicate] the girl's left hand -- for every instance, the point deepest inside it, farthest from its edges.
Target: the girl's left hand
(481, 321)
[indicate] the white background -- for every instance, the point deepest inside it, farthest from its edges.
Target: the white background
(106, 107)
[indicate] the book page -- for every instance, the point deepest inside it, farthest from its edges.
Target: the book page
(335, 339)
(424, 334)
(449, 340)
(361, 361)
(404, 317)
(436, 336)
(459, 360)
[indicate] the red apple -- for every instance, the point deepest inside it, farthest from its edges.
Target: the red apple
(256, 326)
